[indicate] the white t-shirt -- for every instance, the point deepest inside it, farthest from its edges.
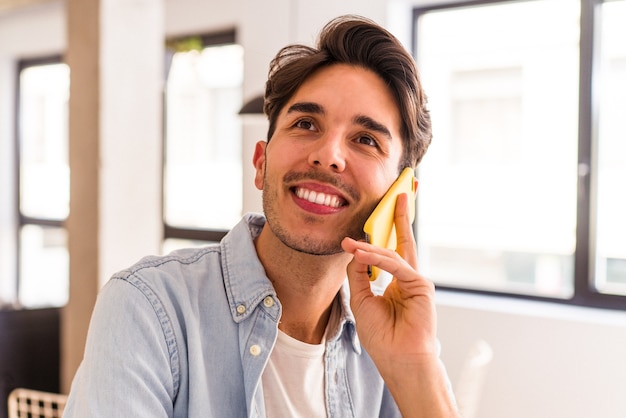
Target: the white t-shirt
(293, 381)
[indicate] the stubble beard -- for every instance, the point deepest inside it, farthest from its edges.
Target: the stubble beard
(297, 241)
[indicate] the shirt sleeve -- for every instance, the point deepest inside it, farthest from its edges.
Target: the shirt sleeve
(130, 358)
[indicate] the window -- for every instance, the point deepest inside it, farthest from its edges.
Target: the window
(499, 204)
(610, 164)
(43, 177)
(202, 187)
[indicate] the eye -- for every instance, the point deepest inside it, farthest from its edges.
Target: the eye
(305, 124)
(367, 140)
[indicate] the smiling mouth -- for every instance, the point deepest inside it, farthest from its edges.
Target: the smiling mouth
(319, 198)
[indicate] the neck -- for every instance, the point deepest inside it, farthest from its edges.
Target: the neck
(305, 284)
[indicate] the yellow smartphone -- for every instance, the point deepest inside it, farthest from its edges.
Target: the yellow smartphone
(379, 228)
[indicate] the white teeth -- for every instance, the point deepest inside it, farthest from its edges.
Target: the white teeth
(318, 198)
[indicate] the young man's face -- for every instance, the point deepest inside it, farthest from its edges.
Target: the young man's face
(334, 153)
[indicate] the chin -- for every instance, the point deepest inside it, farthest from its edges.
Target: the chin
(316, 248)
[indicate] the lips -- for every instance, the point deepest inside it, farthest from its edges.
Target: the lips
(319, 198)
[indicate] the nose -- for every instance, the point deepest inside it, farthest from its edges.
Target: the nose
(328, 152)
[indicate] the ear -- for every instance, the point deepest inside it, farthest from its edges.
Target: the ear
(258, 159)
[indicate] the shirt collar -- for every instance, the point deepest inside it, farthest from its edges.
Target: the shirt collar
(247, 285)
(244, 276)
(343, 321)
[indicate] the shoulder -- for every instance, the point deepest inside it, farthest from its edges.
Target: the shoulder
(177, 259)
(181, 268)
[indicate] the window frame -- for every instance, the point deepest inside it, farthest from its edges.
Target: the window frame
(22, 220)
(584, 293)
(211, 39)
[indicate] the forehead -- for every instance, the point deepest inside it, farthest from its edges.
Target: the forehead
(343, 90)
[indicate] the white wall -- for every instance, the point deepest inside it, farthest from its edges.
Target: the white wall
(130, 132)
(549, 360)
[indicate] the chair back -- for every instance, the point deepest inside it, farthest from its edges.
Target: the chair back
(28, 403)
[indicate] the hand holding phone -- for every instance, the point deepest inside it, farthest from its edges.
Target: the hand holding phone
(379, 228)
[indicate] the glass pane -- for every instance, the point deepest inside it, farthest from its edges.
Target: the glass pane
(611, 206)
(203, 178)
(497, 194)
(44, 267)
(43, 126)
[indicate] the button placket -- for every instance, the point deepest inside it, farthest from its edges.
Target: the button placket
(255, 349)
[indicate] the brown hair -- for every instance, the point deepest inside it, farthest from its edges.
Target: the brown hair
(357, 41)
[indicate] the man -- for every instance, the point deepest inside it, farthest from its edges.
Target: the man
(265, 322)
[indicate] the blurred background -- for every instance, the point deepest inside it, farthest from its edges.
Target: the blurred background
(122, 135)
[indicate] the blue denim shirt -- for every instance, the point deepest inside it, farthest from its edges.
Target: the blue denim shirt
(189, 334)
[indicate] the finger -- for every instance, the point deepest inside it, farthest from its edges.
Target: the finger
(404, 231)
(367, 254)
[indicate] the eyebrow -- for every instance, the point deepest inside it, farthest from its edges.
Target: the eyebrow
(372, 125)
(306, 107)
(362, 120)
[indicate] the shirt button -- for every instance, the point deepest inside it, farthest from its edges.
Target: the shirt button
(255, 350)
(268, 302)
(241, 309)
